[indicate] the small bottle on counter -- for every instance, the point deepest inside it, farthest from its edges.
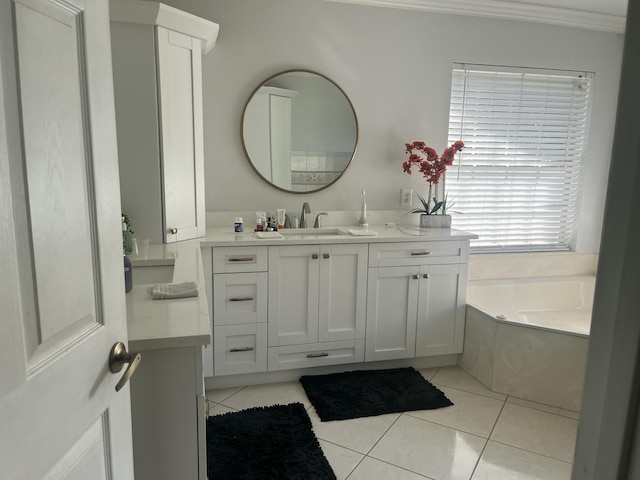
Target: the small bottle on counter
(238, 226)
(128, 274)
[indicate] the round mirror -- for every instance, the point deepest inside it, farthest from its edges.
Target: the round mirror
(299, 131)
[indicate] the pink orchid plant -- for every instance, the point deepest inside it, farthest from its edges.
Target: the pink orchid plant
(432, 168)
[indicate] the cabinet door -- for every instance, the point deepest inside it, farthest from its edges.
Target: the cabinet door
(293, 295)
(392, 299)
(441, 309)
(342, 297)
(180, 99)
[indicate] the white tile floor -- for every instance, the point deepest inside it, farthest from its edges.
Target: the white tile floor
(484, 436)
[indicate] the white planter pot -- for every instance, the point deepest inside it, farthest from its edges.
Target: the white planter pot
(435, 221)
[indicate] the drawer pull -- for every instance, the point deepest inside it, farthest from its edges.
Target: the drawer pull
(326, 255)
(241, 299)
(241, 259)
(417, 254)
(318, 355)
(314, 256)
(241, 349)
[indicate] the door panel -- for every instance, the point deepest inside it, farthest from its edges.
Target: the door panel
(179, 75)
(57, 171)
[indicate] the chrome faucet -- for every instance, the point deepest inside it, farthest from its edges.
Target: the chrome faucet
(316, 224)
(303, 219)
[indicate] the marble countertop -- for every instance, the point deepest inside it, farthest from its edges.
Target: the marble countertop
(184, 322)
(225, 237)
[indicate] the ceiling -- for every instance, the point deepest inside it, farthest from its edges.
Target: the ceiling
(604, 15)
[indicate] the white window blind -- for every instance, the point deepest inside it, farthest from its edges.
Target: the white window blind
(517, 182)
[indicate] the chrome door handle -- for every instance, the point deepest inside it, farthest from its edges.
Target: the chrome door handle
(118, 357)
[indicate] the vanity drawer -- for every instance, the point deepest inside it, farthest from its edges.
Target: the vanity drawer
(417, 253)
(240, 349)
(239, 259)
(316, 354)
(239, 298)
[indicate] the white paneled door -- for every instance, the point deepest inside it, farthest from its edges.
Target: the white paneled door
(61, 272)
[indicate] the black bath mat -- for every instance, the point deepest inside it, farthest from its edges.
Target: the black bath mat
(365, 393)
(265, 443)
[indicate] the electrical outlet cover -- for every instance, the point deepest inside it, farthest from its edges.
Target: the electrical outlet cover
(406, 195)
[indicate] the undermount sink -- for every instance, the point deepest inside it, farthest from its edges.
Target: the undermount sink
(313, 232)
(152, 273)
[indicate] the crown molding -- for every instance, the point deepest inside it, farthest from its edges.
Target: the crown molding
(509, 11)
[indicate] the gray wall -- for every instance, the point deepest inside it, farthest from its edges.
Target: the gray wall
(395, 66)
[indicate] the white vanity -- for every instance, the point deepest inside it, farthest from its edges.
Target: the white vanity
(314, 300)
(167, 391)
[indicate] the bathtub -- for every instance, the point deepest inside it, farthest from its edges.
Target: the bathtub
(528, 337)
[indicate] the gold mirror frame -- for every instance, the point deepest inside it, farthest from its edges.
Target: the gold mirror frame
(261, 144)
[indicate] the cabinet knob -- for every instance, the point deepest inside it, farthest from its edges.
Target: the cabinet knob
(173, 230)
(425, 275)
(314, 256)
(326, 255)
(416, 277)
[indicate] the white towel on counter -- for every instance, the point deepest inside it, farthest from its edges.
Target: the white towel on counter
(164, 291)
(268, 235)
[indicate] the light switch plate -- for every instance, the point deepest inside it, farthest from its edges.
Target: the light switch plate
(406, 195)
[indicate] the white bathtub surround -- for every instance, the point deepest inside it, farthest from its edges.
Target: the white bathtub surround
(526, 265)
(534, 364)
(528, 337)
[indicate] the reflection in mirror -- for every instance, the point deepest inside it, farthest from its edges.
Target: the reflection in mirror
(299, 131)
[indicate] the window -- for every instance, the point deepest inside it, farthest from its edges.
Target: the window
(517, 182)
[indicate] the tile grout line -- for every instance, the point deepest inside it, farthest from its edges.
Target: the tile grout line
(475, 467)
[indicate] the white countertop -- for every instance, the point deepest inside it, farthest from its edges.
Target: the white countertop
(183, 322)
(225, 237)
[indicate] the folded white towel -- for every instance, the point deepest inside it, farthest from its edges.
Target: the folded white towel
(362, 233)
(173, 290)
(268, 235)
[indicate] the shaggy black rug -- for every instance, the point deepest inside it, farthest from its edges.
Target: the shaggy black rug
(265, 443)
(366, 393)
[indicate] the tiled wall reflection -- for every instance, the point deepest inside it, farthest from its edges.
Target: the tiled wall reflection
(311, 169)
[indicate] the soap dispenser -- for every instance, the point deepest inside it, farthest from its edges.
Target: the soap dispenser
(363, 213)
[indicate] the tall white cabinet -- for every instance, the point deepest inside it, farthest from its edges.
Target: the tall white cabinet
(157, 69)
